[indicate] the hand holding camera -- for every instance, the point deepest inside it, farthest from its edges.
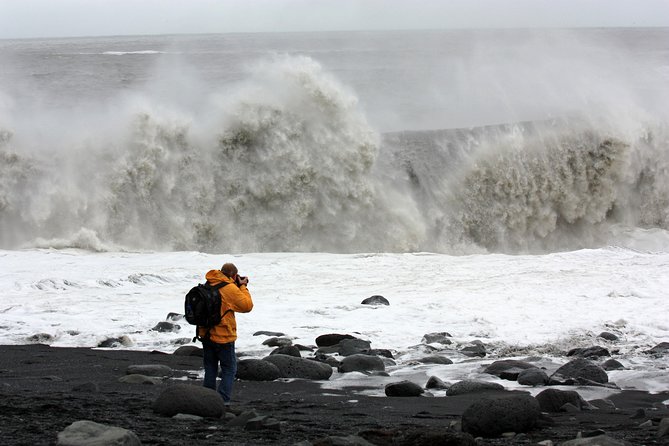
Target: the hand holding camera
(241, 280)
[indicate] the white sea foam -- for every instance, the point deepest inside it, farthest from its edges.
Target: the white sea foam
(518, 306)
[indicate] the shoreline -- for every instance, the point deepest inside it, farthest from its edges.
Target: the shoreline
(44, 389)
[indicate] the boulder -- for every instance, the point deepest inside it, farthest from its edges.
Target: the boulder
(122, 341)
(277, 342)
(577, 370)
(189, 399)
(275, 334)
(328, 340)
(552, 400)
(435, 383)
(472, 386)
(292, 367)
(439, 337)
(608, 336)
(375, 300)
(188, 350)
(348, 347)
(257, 370)
(361, 363)
(660, 349)
(149, 370)
(612, 364)
(473, 351)
(589, 352)
(491, 417)
(166, 327)
(89, 433)
(140, 379)
(290, 350)
(435, 359)
(533, 377)
(174, 317)
(403, 388)
(508, 368)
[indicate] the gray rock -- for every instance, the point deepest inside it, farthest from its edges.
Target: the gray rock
(435, 383)
(532, 377)
(188, 350)
(508, 366)
(474, 351)
(375, 300)
(404, 389)
(612, 364)
(262, 422)
(601, 440)
(491, 417)
(189, 399)
(663, 428)
(439, 337)
(381, 352)
(149, 370)
(187, 417)
(350, 440)
(89, 433)
(289, 350)
(278, 342)
(292, 367)
(40, 338)
(608, 336)
(328, 340)
(348, 347)
(140, 379)
(166, 327)
(435, 359)
(552, 400)
(275, 334)
(579, 369)
(257, 370)
(122, 341)
(660, 349)
(174, 317)
(472, 386)
(589, 352)
(243, 418)
(361, 363)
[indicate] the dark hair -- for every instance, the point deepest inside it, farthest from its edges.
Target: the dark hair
(229, 269)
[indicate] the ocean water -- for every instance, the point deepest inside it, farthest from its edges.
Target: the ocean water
(507, 186)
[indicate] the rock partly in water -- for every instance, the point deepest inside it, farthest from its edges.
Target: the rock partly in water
(375, 300)
(508, 368)
(491, 417)
(278, 342)
(290, 350)
(257, 370)
(608, 336)
(122, 341)
(533, 377)
(552, 400)
(612, 364)
(189, 399)
(435, 383)
(274, 334)
(166, 327)
(348, 347)
(438, 337)
(578, 371)
(472, 386)
(361, 363)
(140, 379)
(435, 359)
(89, 433)
(328, 340)
(589, 352)
(404, 389)
(292, 367)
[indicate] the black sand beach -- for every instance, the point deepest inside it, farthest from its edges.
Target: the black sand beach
(44, 389)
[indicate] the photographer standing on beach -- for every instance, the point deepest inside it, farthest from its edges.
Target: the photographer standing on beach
(218, 343)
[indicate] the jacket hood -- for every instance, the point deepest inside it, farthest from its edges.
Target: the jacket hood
(215, 276)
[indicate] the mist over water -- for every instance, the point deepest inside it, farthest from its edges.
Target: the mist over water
(320, 142)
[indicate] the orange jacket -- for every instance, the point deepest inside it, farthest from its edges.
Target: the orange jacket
(232, 298)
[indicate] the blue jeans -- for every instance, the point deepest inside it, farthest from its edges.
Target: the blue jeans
(213, 354)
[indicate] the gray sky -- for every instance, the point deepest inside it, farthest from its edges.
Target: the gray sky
(57, 18)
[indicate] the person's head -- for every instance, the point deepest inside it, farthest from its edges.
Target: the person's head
(229, 269)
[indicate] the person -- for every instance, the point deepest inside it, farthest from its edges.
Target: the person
(218, 343)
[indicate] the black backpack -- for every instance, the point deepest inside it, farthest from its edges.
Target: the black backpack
(202, 307)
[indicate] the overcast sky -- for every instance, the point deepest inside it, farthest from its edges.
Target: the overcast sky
(59, 18)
